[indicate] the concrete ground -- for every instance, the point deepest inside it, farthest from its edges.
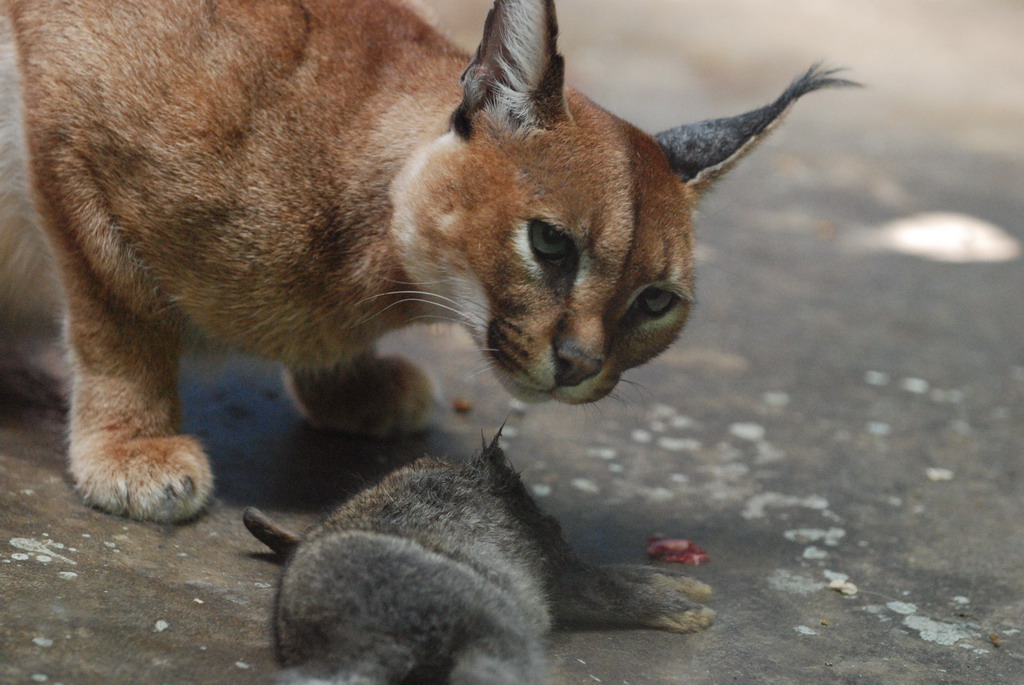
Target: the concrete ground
(848, 400)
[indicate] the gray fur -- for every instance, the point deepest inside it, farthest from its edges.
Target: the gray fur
(447, 574)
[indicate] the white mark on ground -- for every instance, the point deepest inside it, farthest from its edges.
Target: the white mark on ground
(879, 611)
(945, 237)
(110, 544)
(757, 504)
(960, 599)
(262, 585)
(905, 608)
(776, 398)
(242, 665)
(879, 428)
(747, 431)
(804, 630)
(768, 453)
(918, 386)
(662, 411)
(678, 444)
(585, 485)
(938, 474)
(541, 489)
(813, 552)
(679, 478)
(657, 494)
(682, 422)
(960, 426)
(43, 548)
(43, 641)
(602, 452)
(642, 436)
(843, 586)
(39, 677)
(18, 556)
(785, 580)
(161, 626)
(938, 632)
(732, 471)
(876, 378)
(830, 537)
(68, 575)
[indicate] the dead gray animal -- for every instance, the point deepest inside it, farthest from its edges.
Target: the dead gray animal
(448, 574)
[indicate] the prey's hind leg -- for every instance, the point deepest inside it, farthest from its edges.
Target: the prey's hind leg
(631, 596)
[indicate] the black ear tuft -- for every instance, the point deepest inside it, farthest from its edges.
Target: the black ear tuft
(700, 153)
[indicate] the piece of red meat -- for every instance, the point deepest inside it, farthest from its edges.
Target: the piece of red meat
(676, 550)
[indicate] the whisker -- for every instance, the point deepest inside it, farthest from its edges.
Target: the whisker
(447, 279)
(465, 316)
(407, 292)
(644, 393)
(434, 316)
(488, 365)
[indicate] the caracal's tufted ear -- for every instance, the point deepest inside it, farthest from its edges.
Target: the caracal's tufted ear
(702, 153)
(516, 75)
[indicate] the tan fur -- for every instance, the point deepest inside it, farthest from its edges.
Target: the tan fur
(283, 178)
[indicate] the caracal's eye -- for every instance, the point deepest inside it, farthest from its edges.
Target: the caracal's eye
(656, 301)
(549, 243)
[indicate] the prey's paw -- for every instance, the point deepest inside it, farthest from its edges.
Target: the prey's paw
(381, 397)
(149, 479)
(694, 589)
(673, 593)
(685, 621)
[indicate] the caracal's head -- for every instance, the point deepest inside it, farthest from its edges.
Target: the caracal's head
(559, 233)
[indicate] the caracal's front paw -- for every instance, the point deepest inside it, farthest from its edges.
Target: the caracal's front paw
(382, 397)
(151, 479)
